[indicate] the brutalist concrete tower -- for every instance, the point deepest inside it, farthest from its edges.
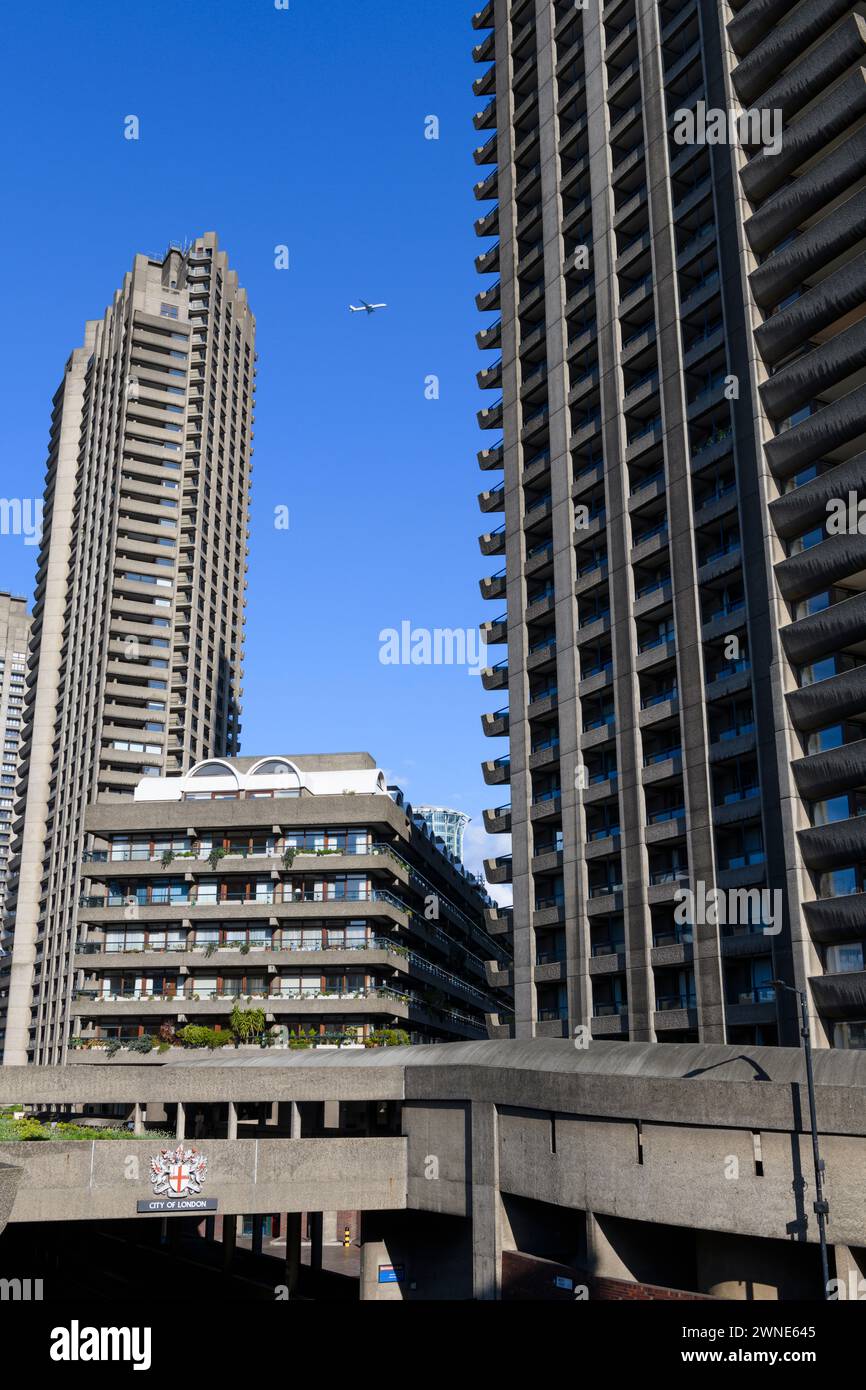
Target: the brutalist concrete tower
(136, 651)
(679, 321)
(14, 641)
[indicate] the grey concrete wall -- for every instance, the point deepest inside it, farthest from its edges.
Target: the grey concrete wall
(103, 1180)
(704, 1178)
(10, 1177)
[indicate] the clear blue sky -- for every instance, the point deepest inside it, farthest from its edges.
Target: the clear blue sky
(303, 127)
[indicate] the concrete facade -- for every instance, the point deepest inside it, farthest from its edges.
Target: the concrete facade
(135, 662)
(681, 395)
(14, 644)
(296, 885)
(680, 1166)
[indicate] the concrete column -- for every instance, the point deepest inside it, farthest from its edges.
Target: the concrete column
(230, 1240)
(138, 1114)
(232, 1132)
(293, 1251)
(605, 1262)
(329, 1227)
(316, 1231)
(295, 1120)
(486, 1203)
(209, 1227)
(180, 1127)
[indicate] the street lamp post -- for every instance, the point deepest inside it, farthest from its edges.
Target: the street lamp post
(820, 1206)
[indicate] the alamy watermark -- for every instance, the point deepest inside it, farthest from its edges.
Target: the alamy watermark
(712, 125)
(437, 646)
(730, 907)
(22, 516)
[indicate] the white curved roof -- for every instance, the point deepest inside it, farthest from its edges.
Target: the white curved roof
(317, 781)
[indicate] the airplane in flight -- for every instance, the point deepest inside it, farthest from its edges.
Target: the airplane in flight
(365, 308)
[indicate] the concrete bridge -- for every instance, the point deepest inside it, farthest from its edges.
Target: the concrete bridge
(678, 1166)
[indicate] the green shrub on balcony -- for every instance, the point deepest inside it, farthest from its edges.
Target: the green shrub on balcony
(197, 1035)
(387, 1037)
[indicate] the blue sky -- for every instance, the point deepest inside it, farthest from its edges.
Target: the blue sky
(305, 128)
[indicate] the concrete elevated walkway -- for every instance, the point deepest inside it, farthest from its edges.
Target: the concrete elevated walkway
(703, 1150)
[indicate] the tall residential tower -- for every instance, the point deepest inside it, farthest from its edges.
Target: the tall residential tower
(14, 639)
(679, 318)
(137, 642)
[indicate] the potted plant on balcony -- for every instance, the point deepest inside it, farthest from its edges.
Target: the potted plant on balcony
(217, 853)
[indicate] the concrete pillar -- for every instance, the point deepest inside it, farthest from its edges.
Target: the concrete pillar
(329, 1228)
(138, 1113)
(232, 1132)
(293, 1251)
(316, 1231)
(295, 1120)
(230, 1240)
(486, 1203)
(605, 1262)
(180, 1127)
(209, 1227)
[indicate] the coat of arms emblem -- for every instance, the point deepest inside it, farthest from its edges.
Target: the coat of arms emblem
(178, 1172)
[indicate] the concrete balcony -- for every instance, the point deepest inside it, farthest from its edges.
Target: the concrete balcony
(487, 188)
(495, 677)
(486, 153)
(260, 959)
(485, 119)
(492, 542)
(492, 457)
(490, 298)
(485, 51)
(493, 586)
(498, 870)
(493, 499)
(840, 996)
(677, 953)
(612, 963)
(498, 773)
(545, 756)
(490, 377)
(497, 820)
(495, 632)
(490, 337)
(490, 417)
(612, 1025)
(499, 921)
(488, 225)
(496, 976)
(495, 725)
(675, 1019)
(485, 18)
(834, 846)
(837, 919)
(546, 809)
